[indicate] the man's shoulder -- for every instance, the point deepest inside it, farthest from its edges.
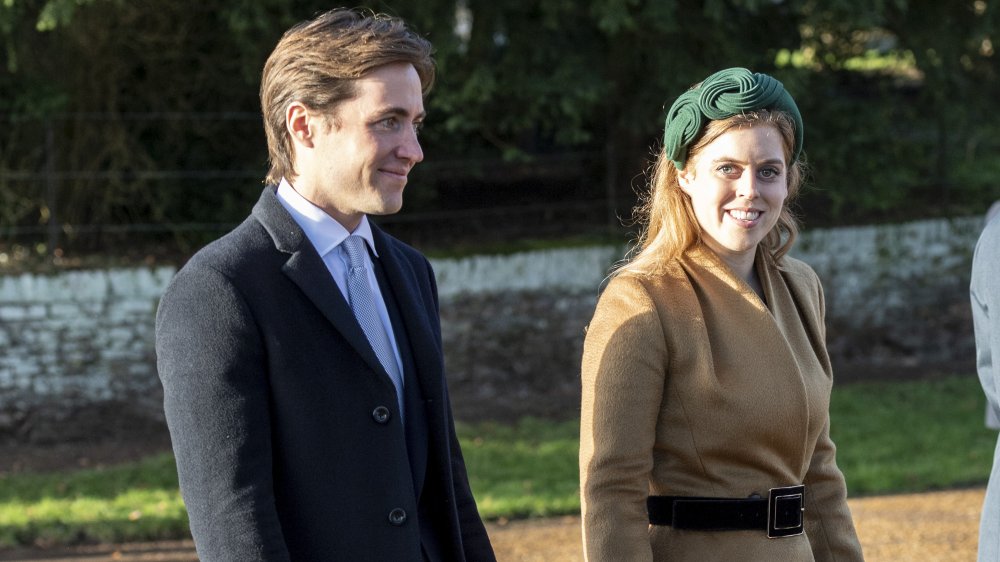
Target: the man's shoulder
(986, 258)
(989, 239)
(243, 247)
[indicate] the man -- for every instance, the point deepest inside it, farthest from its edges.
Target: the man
(300, 354)
(985, 292)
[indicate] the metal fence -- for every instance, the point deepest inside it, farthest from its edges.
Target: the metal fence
(97, 182)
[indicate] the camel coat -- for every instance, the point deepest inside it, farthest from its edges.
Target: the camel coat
(692, 386)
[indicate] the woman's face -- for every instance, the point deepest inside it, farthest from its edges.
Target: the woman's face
(737, 185)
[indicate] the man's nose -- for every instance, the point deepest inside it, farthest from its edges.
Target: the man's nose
(409, 148)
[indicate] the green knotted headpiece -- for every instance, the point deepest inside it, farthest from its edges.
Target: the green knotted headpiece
(721, 95)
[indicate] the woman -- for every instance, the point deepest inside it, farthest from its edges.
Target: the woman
(706, 380)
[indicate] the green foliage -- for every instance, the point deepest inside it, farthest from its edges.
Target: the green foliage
(58, 13)
(908, 133)
(153, 115)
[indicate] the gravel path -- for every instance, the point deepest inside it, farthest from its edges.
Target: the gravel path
(930, 527)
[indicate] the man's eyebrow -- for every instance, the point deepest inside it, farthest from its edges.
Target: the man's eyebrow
(401, 112)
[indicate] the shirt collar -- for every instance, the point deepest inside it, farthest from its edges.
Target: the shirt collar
(321, 229)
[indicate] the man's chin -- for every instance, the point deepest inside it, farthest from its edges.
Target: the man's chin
(387, 208)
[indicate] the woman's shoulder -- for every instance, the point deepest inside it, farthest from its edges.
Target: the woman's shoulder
(798, 271)
(625, 289)
(630, 293)
(633, 307)
(665, 277)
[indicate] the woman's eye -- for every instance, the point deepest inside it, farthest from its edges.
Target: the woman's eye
(727, 169)
(769, 173)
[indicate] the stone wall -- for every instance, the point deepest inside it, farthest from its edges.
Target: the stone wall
(897, 296)
(78, 346)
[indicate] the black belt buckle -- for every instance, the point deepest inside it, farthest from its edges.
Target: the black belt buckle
(784, 511)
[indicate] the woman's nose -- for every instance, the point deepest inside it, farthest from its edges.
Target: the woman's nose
(746, 187)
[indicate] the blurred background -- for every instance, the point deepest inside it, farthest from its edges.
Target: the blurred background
(135, 125)
(131, 135)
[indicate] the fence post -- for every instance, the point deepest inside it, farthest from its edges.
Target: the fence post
(51, 187)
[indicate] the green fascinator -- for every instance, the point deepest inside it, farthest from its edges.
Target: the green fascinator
(721, 95)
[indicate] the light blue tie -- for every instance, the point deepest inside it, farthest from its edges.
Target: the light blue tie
(363, 304)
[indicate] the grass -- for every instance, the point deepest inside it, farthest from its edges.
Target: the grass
(892, 437)
(137, 501)
(913, 436)
(529, 469)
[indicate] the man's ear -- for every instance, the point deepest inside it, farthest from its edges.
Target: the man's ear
(300, 123)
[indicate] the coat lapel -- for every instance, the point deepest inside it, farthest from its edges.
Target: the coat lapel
(753, 362)
(426, 369)
(306, 269)
(416, 406)
(427, 355)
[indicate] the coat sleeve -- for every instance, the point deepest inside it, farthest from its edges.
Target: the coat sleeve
(623, 370)
(985, 296)
(828, 521)
(475, 540)
(211, 363)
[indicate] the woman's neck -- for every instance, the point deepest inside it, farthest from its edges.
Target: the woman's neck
(742, 265)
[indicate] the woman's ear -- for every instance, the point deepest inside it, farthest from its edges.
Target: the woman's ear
(685, 177)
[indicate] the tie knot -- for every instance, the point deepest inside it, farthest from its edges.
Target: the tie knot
(355, 246)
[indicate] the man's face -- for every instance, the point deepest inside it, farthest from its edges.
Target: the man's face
(364, 152)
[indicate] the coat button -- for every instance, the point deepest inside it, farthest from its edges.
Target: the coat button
(381, 414)
(397, 516)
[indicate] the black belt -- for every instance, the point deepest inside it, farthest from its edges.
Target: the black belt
(780, 513)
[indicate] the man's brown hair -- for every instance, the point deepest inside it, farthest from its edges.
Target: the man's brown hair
(316, 62)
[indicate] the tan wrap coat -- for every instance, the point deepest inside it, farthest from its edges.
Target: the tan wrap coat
(693, 386)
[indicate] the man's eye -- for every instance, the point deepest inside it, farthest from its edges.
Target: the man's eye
(418, 126)
(388, 124)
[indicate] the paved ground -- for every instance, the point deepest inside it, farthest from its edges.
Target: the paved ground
(935, 527)
(932, 527)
